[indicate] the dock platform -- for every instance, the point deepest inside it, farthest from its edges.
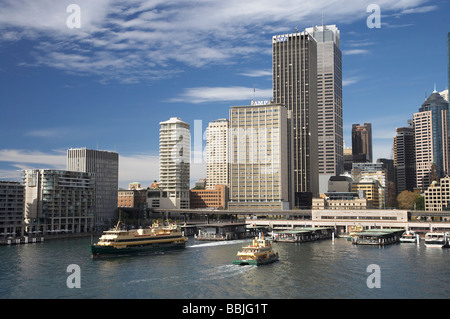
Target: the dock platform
(303, 234)
(378, 237)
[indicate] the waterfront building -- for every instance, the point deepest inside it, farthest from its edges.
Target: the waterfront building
(260, 157)
(369, 190)
(104, 165)
(437, 195)
(59, 201)
(329, 99)
(174, 162)
(216, 198)
(362, 143)
(11, 209)
(217, 166)
(340, 200)
(294, 68)
(431, 140)
(405, 158)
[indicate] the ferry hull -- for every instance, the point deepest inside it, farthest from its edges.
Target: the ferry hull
(255, 262)
(105, 251)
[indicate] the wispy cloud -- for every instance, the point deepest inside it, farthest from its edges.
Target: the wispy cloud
(355, 51)
(257, 73)
(128, 41)
(221, 94)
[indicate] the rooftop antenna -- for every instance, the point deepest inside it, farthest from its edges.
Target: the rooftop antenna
(434, 87)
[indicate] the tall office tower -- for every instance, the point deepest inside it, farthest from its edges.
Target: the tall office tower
(294, 65)
(58, 200)
(174, 161)
(431, 140)
(260, 142)
(217, 168)
(405, 158)
(444, 94)
(329, 99)
(105, 166)
(362, 143)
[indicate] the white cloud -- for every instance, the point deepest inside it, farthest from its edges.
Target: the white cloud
(221, 94)
(257, 73)
(139, 39)
(355, 51)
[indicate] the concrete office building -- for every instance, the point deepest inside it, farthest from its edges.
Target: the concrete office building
(431, 140)
(437, 195)
(174, 163)
(105, 167)
(59, 201)
(217, 168)
(373, 172)
(362, 143)
(295, 86)
(260, 142)
(405, 158)
(11, 209)
(329, 99)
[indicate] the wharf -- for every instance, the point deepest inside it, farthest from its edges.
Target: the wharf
(379, 237)
(221, 231)
(303, 234)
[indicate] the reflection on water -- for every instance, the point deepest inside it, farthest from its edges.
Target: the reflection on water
(322, 269)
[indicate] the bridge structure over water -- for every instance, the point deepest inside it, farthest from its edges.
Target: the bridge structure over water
(342, 219)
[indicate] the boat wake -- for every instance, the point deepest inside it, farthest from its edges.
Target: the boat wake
(218, 243)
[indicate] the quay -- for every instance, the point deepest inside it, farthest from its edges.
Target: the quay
(221, 231)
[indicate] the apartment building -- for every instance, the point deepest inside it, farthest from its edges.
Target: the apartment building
(11, 209)
(58, 200)
(217, 166)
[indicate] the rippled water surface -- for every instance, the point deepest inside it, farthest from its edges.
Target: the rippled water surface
(324, 269)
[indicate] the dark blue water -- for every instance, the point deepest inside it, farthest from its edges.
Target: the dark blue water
(204, 270)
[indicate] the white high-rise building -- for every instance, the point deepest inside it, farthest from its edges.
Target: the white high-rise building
(217, 168)
(105, 167)
(174, 162)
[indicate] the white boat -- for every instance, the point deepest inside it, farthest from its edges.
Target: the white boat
(409, 237)
(437, 239)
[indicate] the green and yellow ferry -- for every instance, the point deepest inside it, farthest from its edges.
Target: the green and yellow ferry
(260, 252)
(158, 237)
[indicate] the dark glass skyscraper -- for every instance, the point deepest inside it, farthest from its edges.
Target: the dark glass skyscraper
(362, 143)
(295, 87)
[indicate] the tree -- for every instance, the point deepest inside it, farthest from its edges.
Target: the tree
(406, 200)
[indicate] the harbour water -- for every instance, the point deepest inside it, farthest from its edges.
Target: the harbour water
(204, 270)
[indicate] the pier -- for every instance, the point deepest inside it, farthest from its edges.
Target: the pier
(221, 231)
(377, 237)
(300, 235)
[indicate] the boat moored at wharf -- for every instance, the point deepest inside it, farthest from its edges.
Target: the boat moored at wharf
(437, 239)
(158, 237)
(303, 234)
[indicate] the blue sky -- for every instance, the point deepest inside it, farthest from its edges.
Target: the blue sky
(133, 64)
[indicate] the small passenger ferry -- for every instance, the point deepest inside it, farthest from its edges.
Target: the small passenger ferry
(409, 237)
(260, 252)
(437, 239)
(158, 237)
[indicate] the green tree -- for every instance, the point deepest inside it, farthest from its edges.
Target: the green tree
(406, 200)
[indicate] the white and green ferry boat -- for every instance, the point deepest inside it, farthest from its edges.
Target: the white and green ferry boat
(158, 237)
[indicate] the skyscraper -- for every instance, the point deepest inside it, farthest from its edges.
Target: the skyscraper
(174, 161)
(260, 141)
(217, 168)
(431, 140)
(105, 166)
(448, 60)
(405, 158)
(295, 86)
(362, 143)
(329, 99)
